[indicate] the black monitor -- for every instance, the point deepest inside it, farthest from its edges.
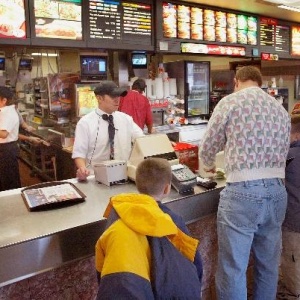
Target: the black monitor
(25, 64)
(139, 60)
(2, 63)
(93, 68)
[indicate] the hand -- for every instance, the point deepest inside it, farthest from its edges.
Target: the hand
(210, 170)
(34, 140)
(82, 173)
(29, 128)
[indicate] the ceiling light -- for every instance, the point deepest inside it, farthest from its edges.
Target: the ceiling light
(44, 54)
(289, 8)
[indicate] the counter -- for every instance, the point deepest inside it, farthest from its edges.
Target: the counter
(34, 242)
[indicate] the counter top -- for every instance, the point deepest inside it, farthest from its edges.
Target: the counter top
(36, 241)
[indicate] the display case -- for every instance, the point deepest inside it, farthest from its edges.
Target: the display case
(193, 81)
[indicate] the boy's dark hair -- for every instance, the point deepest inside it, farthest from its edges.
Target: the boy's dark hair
(249, 73)
(6, 92)
(152, 175)
(139, 85)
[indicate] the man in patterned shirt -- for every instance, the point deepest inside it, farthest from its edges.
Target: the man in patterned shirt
(253, 129)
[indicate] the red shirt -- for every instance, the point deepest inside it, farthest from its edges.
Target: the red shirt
(138, 107)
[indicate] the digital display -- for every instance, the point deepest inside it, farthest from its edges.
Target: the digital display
(60, 19)
(295, 42)
(120, 20)
(93, 68)
(25, 64)
(187, 22)
(12, 19)
(139, 60)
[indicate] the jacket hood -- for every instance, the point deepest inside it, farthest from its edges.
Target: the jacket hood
(142, 214)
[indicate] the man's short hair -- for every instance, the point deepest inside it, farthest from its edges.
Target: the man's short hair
(139, 85)
(249, 73)
(152, 175)
(6, 92)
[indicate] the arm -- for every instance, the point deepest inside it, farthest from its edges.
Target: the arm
(214, 138)
(3, 134)
(31, 139)
(82, 172)
(136, 131)
(149, 118)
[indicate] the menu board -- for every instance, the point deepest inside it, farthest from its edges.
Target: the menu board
(267, 32)
(212, 49)
(274, 35)
(196, 23)
(60, 19)
(170, 20)
(295, 40)
(119, 20)
(12, 19)
(282, 39)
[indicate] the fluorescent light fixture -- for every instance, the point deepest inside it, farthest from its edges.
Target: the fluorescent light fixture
(44, 54)
(289, 8)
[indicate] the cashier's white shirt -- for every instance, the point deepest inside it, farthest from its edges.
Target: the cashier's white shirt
(91, 137)
(9, 121)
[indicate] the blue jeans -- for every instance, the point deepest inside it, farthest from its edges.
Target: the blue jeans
(250, 215)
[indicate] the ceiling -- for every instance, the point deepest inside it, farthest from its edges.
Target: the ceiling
(260, 7)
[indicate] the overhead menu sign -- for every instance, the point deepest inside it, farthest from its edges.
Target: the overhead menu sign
(196, 23)
(282, 39)
(12, 19)
(119, 20)
(267, 31)
(60, 19)
(295, 40)
(274, 35)
(212, 49)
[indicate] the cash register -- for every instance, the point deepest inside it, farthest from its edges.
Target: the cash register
(154, 145)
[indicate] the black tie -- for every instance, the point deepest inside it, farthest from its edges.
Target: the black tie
(111, 132)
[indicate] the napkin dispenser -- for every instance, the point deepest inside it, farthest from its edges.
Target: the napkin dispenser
(111, 172)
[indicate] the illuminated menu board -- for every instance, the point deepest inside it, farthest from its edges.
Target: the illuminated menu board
(282, 39)
(119, 20)
(295, 40)
(274, 35)
(12, 19)
(188, 22)
(267, 31)
(60, 19)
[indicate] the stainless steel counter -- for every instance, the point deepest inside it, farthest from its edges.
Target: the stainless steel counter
(33, 242)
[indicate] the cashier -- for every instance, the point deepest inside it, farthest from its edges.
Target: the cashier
(9, 150)
(104, 133)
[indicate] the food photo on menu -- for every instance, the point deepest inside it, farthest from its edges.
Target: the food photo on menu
(58, 19)
(12, 19)
(170, 20)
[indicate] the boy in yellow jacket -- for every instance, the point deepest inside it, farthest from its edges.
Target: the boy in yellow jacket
(146, 251)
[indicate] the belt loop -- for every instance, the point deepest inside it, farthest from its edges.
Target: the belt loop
(265, 182)
(246, 183)
(280, 181)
